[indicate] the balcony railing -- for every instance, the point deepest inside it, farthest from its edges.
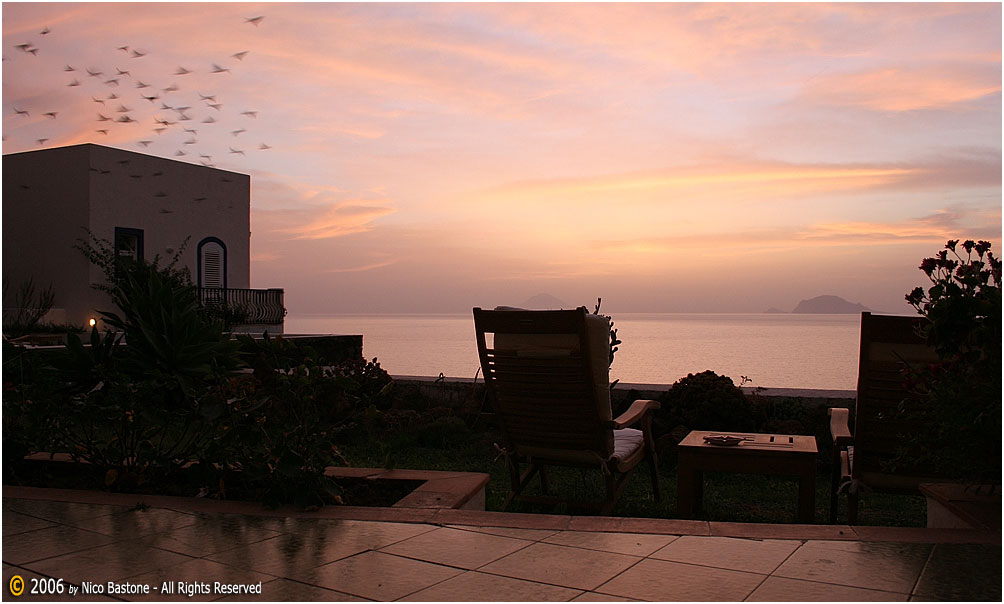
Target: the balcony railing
(252, 306)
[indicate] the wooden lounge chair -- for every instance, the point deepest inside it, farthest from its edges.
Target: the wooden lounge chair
(889, 344)
(547, 376)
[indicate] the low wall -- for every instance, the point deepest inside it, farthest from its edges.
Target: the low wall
(461, 393)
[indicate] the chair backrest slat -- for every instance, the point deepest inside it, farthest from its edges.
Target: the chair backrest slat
(889, 344)
(540, 381)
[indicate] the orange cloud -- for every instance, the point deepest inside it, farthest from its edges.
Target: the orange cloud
(908, 89)
(336, 220)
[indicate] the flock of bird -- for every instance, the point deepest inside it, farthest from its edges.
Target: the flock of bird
(128, 98)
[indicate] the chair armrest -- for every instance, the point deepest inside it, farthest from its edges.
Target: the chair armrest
(635, 412)
(839, 426)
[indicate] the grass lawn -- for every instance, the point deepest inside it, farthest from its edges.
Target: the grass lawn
(727, 497)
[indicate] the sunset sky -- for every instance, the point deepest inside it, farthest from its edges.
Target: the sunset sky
(433, 157)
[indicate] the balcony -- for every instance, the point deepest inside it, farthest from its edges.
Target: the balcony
(254, 310)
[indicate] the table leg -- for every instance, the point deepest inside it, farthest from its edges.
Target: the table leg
(807, 496)
(688, 488)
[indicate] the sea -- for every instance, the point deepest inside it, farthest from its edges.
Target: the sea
(772, 350)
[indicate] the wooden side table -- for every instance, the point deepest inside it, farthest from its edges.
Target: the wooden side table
(760, 454)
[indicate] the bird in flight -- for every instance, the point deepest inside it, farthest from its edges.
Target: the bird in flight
(41, 141)
(44, 31)
(182, 71)
(150, 98)
(125, 119)
(51, 114)
(93, 73)
(122, 72)
(103, 118)
(75, 82)
(232, 150)
(263, 146)
(23, 112)
(141, 84)
(69, 68)
(124, 48)
(256, 21)
(209, 120)
(215, 106)
(123, 109)
(240, 55)
(102, 131)
(171, 88)
(238, 131)
(218, 69)
(250, 113)
(145, 143)
(138, 53)
(97, 100)
(207, 97)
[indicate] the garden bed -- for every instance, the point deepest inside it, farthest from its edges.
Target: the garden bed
(367, 487)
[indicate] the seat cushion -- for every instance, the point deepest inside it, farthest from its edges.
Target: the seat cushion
(629, 447)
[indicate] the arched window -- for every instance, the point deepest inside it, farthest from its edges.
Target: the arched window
(212, 259)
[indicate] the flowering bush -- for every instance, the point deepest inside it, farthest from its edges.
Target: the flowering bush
(961, 394)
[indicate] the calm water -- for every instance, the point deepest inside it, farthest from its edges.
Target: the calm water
(776, 350)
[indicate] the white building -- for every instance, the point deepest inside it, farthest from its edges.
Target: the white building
(146, 206)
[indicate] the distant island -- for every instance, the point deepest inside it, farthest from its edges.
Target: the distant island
(825, 305)
(544, 302)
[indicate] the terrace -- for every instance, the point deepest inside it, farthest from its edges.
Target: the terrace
(429, 554)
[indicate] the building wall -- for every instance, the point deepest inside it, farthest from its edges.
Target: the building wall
(45, 207)
(170, 201)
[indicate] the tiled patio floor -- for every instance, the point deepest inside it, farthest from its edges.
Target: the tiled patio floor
(450, 555)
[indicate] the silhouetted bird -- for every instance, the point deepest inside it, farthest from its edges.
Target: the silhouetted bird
(124, 48)
(238, 131)
(97, 100)
(218, 69)
(207, 97)
(123, 109)
(75, 82)
(256, 21)
(145, 143)
(172, 88)
(23, 112)
(240, 55)
(103, 118)
(41, 141)
(138, 53)
(141, 84)
(125, 119)
(102, 131)
(44, 31)
(122, 72)
(93, 73)
(182, 71)
(232, 150)
(249, 113)
(69, 68)
(51, 114)
(263, 146)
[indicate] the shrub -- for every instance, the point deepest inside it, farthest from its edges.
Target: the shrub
(960, 400)
(704, 401)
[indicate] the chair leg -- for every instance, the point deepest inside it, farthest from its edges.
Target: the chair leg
(545, 484)
(653, 468)
(852, 506)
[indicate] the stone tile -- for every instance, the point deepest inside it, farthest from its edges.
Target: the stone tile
(452, 547)
(592, 596)
(61, 511)
(618, 543)
(212, 533)
(284, 590)
(134, 522)
(380, 576)
(925, 535)
(750, 555)
(480, 587)
(15, 523)
(559, 565)
(9, 571)
(660, 581)
(779, 589)
(750, 530)
(980, 565)
(501, 531)
(478, 518)
(114, 561)
(194, 580)
(48, 542)
(315, 544)
(884, 566)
